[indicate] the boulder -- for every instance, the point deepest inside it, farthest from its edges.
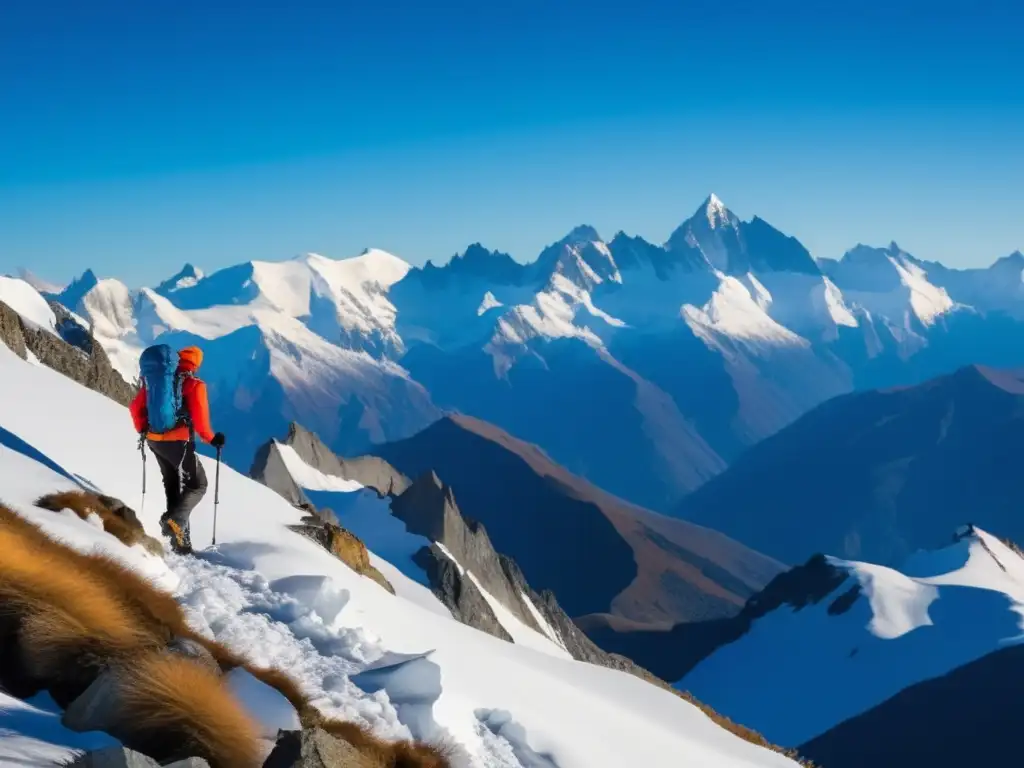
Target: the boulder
(98, 708)
(344, 545)
(315, 748)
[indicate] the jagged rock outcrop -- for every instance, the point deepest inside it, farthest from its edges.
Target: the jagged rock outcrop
(269, 468)
(92, 369)
(428, 508)
(344, 545)
(72, 331)
(458, 592)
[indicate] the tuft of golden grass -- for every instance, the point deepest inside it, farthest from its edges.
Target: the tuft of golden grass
(67, 620)
(72, 615)
(181, 709)
(388, 754)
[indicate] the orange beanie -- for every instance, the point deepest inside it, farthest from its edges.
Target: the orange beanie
(190, 358)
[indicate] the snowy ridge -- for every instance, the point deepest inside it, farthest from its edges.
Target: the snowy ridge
(24, 299)
(359, 651)
(879, 631)
(780, 331)
(890, 283)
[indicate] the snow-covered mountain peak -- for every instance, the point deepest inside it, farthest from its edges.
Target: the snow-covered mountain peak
(584, 233)
(188, 276)
(874, 631)
(716, 212)
(73, 294)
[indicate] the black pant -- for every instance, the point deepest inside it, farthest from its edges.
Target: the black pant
(184, 478)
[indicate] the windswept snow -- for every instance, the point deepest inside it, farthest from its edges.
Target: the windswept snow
(312, 479)
(26, 301)
(282, 599)
(939, 611)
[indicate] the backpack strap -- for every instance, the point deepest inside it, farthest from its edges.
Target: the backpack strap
(179, 399)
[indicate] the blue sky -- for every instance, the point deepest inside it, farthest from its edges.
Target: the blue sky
(136, 136)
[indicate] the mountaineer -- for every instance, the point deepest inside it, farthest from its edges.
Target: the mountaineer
(170, 409)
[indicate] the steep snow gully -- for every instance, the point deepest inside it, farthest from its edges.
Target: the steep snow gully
(391, 662)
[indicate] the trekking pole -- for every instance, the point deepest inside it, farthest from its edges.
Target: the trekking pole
(142, 450)
(216, 497)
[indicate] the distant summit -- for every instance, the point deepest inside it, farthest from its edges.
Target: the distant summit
(186, 278)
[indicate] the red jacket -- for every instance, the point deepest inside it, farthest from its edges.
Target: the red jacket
(193, 395)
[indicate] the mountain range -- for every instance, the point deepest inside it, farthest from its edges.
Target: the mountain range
(644, 368)
(878, 475)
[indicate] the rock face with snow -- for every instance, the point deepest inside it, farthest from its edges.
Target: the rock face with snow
(460, 564)
(895, 470)
(843, 637)
(271, 469)
(25, 336)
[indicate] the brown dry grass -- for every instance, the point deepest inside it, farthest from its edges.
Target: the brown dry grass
(85, 504)
(65, 616)
(388, 754)
(68, 620)
(180, 708)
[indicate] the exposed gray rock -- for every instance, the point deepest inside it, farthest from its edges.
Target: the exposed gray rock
(92, 370)
(122, 757)
(458, 593)
(269, 468)
(373, 472)
(314, 748)
(73, 332)
(10, 331)
(429, 508)
(99, 708)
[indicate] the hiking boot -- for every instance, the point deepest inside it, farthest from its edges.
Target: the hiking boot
(181, 541)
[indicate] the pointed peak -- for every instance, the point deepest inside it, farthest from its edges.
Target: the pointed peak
(186, 277)
(477, 252)
(714, 201)
(580, 235)
(715, 212)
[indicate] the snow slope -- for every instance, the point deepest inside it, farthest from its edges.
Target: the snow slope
(358, 650)
(798, 673)
(27, 302)
(890, 283)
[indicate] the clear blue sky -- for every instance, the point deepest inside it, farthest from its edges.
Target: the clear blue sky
(136, 135)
